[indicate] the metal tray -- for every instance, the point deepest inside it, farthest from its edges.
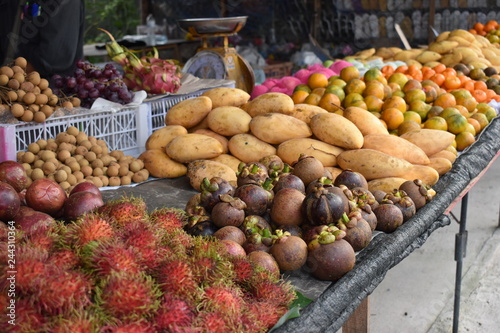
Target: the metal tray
(213, 26)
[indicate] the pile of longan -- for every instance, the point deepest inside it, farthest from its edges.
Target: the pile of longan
(28, 96)
(73, 156)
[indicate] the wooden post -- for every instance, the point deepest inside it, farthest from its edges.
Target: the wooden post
(432, 11)
(144, 8)
(358, 321)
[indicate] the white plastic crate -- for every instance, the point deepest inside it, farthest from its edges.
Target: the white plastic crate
(123, 130)
(158, 106)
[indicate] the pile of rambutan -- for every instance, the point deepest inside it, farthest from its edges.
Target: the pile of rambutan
(120, 269)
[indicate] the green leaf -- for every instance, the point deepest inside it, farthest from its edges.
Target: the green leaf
(300, 302)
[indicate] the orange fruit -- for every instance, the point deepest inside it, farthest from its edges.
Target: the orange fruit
(421, 108)
(360, 104)
(489, 112)
(464, 140)
(397, 102)
(475, 123)
(351, 99)
(302, 87)
(436, 122)
(373, 103)
(412, 115)
(479, 95)
(338, 82)
(374, 74)
(374, 88)
(415, 95)
(393, 117)
(449, 111)
(398, 78)
(299, 96)
(317, 80)
(438, 78)
(334, 89)
(349, 73)
(439, 68)
(355, 86)
(312, 99)
(435, 110)
(452, 82)
(318, 91)
(463, 110)
(481, 119)
(456, 123)
(469, 128)
(430, 93)
(445, 100)
(330, 102)
(407, 126)
(412, 84)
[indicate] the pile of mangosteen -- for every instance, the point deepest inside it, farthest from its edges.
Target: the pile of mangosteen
(301, 214)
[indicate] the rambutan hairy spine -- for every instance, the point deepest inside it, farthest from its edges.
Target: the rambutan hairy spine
(174, 313)
(87, 228)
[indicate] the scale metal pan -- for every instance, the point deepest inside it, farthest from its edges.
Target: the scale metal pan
(213, 26)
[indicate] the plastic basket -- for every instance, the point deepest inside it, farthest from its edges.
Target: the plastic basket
(122, 130)
(158, 107)
(278, 70)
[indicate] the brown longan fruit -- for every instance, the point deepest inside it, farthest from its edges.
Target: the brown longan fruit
(27, 86)
(81, 150)
(42, 143)
(78, 157)
(79, 176)
(67, 105)
(63, 155)
(113, 171)
(65, 146)
(38, 163)
(145, 173)
(97, 181)
(135, 166)
(90, 156)
(13, 84)
(65, 168)
(48, 110)
(19, 155)
(39, 117)
(17, 69)
(6, 70)
(62, 137)
(27, 116)
(74, 166)
(125, 180)
(51, 177)
(93, 140)
(17, 110)
(34, 77)
(34, 107)
(28, 157)
(36, 90)
(86, 170)
(51, 145)
(37, 173)
(126, 159)
(53, 99)
(97, 172)
(34, 147)
(114, 181)
(138, 177)
(19, 77)
(76, 102)
(11, 96)
(47, 92)
(42, 99)
(101, 143)
(106, 160)
(27, 167)
(80, 137)
(71, 179)
(123, 171)
(60, 176)
(96, 149)
(44, 84)
(21, 62)
(104, 180)
(83, 162)
(86, 143)
(54, 160)
(20, 94)
(47, 154)
(4, 79)
(48, 168)
(65, 185)
(69, 160)
(72, 130)
(97, 163)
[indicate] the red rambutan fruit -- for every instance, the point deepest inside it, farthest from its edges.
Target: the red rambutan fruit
(41, 240)
(61, 291)
(139, 326)
(207, 270)
(265, 314)
(176, 277)
(280, 293)
(227, 299)
(127, 210)
(87, 228)
(243, 269)
(27, 318)
(63, 258)
(169, 218)
(128, 296)
(178, 240)
(79, 323)
(113, 257)
(212, 321)
(174, 313)
(28, 271)
(143, 242)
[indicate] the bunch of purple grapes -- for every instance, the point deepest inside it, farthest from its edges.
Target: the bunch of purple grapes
(90, 82)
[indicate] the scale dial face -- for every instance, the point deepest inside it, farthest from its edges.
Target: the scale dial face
(206, 65)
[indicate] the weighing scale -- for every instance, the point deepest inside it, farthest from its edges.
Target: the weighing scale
(219, 62)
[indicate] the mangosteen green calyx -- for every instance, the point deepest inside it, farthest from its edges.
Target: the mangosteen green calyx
(403, 202)
(358, 230)
(351, 179)
(419, 192)
(273, 163)
(362, 200)
(290, 252)
(258, 234)
(258, 198)
(322, 206)
(329, 255)
(212, 189)
(229, 211)
(194, 207)
(251, 173)
(308, 168)
(389, 216)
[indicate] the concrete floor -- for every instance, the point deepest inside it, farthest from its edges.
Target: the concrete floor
(417, 295)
